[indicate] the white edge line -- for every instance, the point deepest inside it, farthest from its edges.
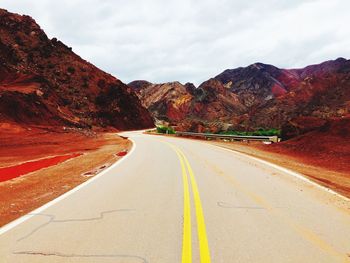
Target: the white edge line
(24, 218)
(285, 170)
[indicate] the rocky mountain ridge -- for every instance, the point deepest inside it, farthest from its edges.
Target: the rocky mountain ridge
(43, 82)
(253, 97)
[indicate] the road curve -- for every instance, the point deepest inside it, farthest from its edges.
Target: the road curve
(180, 200)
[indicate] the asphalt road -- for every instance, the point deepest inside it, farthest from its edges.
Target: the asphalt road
(179, 200)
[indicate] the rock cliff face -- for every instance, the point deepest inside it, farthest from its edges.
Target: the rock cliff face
(257, 96)
(43, 82)
(168, 101)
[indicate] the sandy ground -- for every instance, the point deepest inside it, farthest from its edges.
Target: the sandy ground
(23, 194)
(336, 177)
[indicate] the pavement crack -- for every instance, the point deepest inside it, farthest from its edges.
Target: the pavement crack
(227, 205)
(52, 220)
(63, 255)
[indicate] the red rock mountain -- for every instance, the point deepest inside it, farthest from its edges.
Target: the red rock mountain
(275, 96)
(185, 105)
(257, 96)
(43, 82)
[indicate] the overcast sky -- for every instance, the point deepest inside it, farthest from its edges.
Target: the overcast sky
(193, 40)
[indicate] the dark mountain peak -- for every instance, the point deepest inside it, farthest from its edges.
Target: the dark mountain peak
(255, 83)
(341, 59)
(190, 87)
(326, 67)
(262, 66)
(173, 83)
(212, 84)
(22, 23)
(254, 71)
(190, 84)
(139, 84)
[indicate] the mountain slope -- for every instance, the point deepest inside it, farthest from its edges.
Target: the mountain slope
(275, 96)
(42, 82)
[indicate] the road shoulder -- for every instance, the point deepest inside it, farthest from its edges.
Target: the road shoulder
(22, 195)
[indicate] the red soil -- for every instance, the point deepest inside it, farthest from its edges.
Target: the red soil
(122, 153)
(11, 172)
(20, 144)
(28, 149)
(327, 146)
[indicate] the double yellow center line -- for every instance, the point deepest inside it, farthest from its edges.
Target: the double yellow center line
(187, 173)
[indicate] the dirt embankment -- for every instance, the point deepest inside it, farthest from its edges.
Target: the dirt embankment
(23, 194)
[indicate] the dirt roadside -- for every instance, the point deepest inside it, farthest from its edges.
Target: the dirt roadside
(23, 194)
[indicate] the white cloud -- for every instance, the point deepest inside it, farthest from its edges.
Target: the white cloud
(193, 40)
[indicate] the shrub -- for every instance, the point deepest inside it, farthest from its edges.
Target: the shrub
(101, 83)
(165, 130)
(71, 70)
(259, 132)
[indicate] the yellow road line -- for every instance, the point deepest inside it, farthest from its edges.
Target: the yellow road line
(186, 238)
(202, 233)
(201, 228)
(307, 234)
